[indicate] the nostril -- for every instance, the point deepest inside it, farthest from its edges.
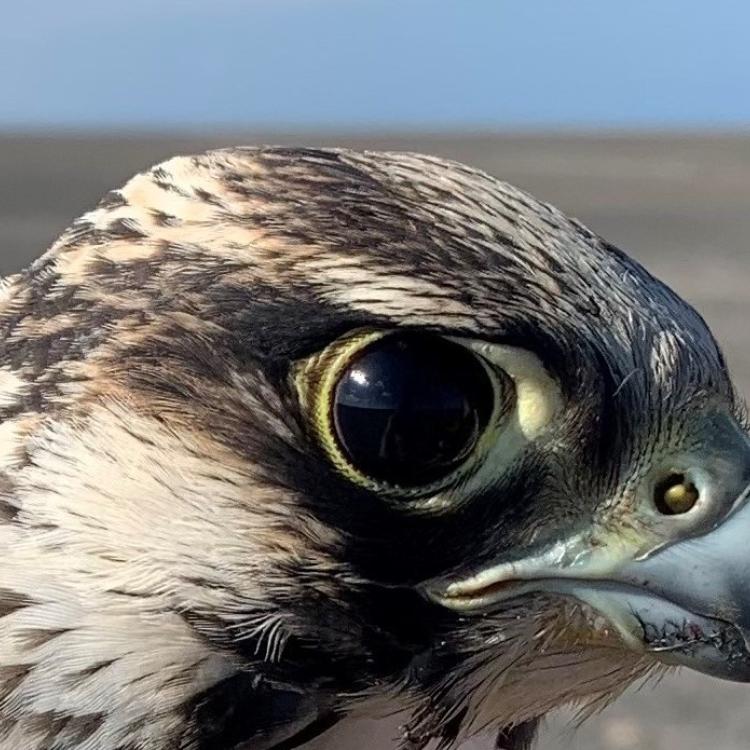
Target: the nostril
(675, 495)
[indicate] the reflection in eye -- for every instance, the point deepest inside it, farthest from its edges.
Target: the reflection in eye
(411, 407)
(359, 377)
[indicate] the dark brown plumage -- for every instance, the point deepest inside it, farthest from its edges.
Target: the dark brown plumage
(191, 561)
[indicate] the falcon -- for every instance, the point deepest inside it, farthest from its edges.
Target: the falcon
(290, 435)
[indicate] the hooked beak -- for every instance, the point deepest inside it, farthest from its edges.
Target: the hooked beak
(681, 592)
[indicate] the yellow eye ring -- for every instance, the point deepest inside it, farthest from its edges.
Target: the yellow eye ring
(315, 379)
(400, 412)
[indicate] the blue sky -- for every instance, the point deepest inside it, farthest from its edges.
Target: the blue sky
(375, 64)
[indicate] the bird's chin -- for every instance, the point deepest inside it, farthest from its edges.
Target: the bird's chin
(629, 617)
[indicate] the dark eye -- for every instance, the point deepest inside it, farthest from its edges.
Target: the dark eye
(409, 408)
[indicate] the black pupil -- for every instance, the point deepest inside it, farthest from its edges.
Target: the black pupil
(411, 407)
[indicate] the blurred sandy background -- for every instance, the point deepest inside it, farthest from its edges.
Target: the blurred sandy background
(681, 205)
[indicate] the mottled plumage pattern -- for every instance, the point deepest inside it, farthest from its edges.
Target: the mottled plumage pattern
(183, 569)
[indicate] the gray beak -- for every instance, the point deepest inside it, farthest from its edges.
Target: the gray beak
(696, 608)
(680, 590)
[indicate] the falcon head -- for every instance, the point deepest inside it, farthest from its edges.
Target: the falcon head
(291, 434)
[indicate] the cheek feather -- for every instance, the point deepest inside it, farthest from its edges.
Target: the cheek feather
(171, 521)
